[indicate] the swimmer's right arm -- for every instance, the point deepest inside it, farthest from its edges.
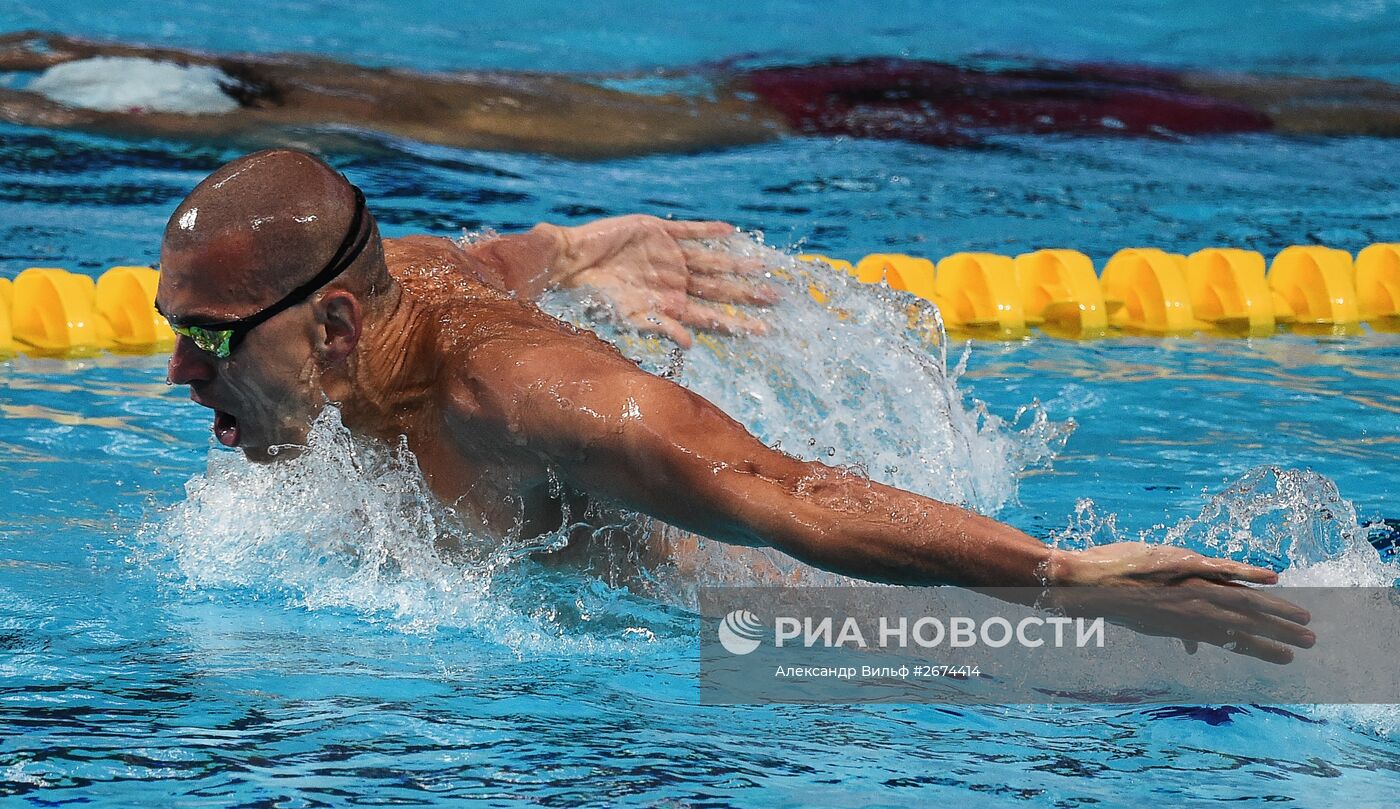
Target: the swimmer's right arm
(655, 273)
(650, 445)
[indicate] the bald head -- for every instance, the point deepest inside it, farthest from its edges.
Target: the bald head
(258, 228)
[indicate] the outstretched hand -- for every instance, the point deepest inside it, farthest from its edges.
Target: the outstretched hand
(659, 278)
(1170, 591)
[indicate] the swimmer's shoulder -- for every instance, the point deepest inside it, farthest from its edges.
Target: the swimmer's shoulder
(407, 251)
(470, 318)
(433, 268)
(466, 311)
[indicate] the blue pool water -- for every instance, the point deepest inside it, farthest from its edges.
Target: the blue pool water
(165, 642)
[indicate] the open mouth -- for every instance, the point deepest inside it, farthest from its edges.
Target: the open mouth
(226, 428)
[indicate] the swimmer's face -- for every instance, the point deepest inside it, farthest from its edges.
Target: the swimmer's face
(268, 390)
(251, 268)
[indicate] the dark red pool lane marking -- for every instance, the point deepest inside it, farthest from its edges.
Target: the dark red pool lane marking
(941, 104)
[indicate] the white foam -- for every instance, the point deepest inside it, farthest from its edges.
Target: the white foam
(349, 523)
(136, 84)
(1293, 520)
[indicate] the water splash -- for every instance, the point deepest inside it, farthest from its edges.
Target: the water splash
(346, 522)
(1292, 520)
(853, 375)
(350, 523)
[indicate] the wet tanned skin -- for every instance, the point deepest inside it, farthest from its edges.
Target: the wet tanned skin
(494, 397)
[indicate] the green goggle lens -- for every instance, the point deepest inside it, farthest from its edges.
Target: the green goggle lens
(213, 341)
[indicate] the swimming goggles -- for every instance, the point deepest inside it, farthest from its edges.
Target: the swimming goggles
(222, 339)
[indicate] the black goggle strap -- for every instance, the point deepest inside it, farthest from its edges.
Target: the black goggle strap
(355, 240)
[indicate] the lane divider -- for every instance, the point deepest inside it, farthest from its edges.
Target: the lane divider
(978, 292)
(1146, 291)
(905, 273)
(52, 312)
(1142, 290)
(1230, 292)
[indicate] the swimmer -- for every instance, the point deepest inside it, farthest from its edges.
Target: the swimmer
(284, 298)
(298, 99)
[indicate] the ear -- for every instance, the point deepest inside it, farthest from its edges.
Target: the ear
(338, 314)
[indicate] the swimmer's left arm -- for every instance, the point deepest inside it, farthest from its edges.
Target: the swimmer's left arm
(650, 445)
(613, 430)
(653, 272)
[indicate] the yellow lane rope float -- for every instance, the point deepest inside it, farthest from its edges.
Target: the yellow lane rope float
(53, 312)
(904, 273)
(50, 311)
(1146, 290)
(1229, 291)
(1317, 286)
(125, 298)
(977, 292)
(1061, 294)
(1142, 290)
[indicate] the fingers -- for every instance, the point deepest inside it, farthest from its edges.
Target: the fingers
(719, 289)
(1232, 616)
(697, 316)
(1228, 570)
(1270, 651)
(709, 261)
(726, 263)
(710, 318)
(1239, 619)
(696, 230)
(1272, 627)
(1243, 599)
(1254, 611)
(718, 277)
(657, 323)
